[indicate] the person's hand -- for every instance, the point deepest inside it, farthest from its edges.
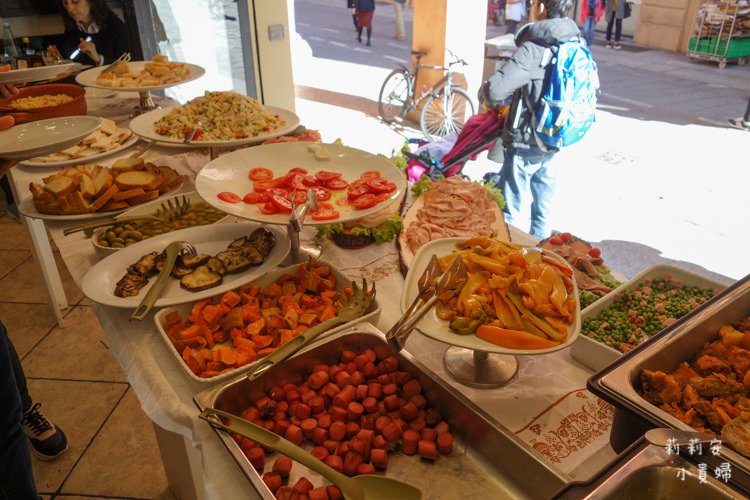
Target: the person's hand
(8, 90)
(54, 52)
(6, 123)
(89, 49)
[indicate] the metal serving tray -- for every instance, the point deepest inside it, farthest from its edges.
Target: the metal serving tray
(597, 355)
(487, 461)
(619, 383)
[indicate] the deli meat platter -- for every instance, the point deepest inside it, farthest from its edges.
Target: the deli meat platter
(486, 458)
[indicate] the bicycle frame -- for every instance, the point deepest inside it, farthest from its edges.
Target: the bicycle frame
(415, 102)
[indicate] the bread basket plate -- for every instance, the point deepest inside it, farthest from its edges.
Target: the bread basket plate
(86, 159)
(143, 126)
(88, 77)
(342, 281)
(99, 282)
(436, 328)
(229, 172)
(27, 208)
(44, 137)
(28, 75)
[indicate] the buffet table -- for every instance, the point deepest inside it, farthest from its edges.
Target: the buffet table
(546, 406)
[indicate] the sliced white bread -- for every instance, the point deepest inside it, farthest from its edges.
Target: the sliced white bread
(148, 196)
(104, 198)
(137, 179)
(86, 185)
(126, 164)
(103, 179)
(61, 185)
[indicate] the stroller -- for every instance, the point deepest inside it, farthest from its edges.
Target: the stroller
(478, 135)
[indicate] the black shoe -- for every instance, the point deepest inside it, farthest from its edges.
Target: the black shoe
(47, 441)
(740, 123)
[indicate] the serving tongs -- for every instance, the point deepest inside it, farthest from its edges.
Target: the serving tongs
(124, 58)
(349, 309)
(430, 290)
(174, 250)
(165, 213)
(196, 127)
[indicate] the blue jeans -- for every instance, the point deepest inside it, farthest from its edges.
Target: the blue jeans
(16, 474)
(528, 172)
(588, 30)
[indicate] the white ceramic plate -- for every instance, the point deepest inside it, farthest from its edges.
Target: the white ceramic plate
(88, 77)
(438, 329)
(148, 208)
(342, 281)
(87, 159)
(143, 125)
(229, 172)
(99, 282)
(40, 73)
(27, 208)
(43, 137)
(99, 93)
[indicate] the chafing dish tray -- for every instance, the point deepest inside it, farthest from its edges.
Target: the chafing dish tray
(619, 383)
(487, 461)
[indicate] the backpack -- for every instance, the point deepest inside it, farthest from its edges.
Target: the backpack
(568, 101)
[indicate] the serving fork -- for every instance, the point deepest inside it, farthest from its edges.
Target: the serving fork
(124, 58)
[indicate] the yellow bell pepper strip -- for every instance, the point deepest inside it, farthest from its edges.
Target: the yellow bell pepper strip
(513, 339)
(466, 300)
(488, 263)
(505, 312)
(540, 323)
(564, 269)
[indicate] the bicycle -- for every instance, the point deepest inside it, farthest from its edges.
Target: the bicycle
(446, 106)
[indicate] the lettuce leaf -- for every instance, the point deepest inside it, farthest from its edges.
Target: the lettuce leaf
(383, 233)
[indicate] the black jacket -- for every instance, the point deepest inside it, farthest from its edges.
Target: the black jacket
(526, 70)
(111, 41)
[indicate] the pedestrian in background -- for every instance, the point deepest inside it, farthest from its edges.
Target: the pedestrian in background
(528, 175)
(398, 6)
(591, 12)
(514, 12)
(350, 5)
(365, 9)
(614, 12)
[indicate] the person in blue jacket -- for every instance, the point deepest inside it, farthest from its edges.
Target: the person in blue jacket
(365, 9)
(528, 175)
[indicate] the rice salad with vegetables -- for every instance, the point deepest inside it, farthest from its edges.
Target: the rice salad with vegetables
(226, 116)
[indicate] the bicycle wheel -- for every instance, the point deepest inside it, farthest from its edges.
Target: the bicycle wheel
(445, 112)
(394, 95)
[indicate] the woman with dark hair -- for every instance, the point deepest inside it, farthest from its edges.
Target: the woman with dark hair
(93, 18)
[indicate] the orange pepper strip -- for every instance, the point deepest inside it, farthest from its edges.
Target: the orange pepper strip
(513, 339)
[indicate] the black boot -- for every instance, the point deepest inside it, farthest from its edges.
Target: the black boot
(369, 34)
(359, 35)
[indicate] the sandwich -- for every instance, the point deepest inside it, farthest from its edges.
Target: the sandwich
(380, 227)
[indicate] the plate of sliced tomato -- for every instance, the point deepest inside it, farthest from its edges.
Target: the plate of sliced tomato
(264, 183)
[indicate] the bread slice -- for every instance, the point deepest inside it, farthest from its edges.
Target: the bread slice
(86, 185)
(77, 203)
(121, 70)
(61, 185)
(137, 179)
(124, 195)
(98, 203)
(160, 58)
(126, 164)
(148, 196)
(108, 126)
(114, 205)
(103, 179)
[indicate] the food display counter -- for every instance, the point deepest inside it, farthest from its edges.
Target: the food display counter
(545, 416)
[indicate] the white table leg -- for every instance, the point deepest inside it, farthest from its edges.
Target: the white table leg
(181, 464)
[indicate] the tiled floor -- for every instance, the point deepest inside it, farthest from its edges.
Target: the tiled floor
(80, 386)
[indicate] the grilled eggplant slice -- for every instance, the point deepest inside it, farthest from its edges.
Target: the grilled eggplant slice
(216, 265)
(200, 278)
(234, 262)
(129, 285)
(193, 261)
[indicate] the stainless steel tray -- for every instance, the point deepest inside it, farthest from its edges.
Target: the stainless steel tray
(618, 384)
(488, 461)
(597, 355)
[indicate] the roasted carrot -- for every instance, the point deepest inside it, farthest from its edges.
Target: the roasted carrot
(230, 299)
(513, 339)
(212, 314)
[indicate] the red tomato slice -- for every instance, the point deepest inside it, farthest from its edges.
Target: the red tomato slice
(269, 208)
(299, 197)
(252, 198)
(370, 174)
(357, 191)
(321, 193)
(381, 185)
(337, 184)
(324, 176)
(229, 197)
(310, 181)
(298, 183)
(283, 193)
(283, 204)
(284, 180)
(263, 186)
(298, 170)
(380, 198)
(325, 211)
(260, 174)
(365, 201)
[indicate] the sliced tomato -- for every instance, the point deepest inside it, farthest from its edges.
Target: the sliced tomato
(357, 191)
(381, 185)
(229, 197)
(321, 193)
(380, 198)
(283, 204)
(370, 174)
(299, 197)
(325, 211)
(197, 134)
(269, 208)
(260, 174)
(324, 176)
(298, 170)
(337, 184)
(284, 180)
(310, 181)
(298, 182)
(365, 201)
(255, 197)
(280, 192)
(263, 186)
